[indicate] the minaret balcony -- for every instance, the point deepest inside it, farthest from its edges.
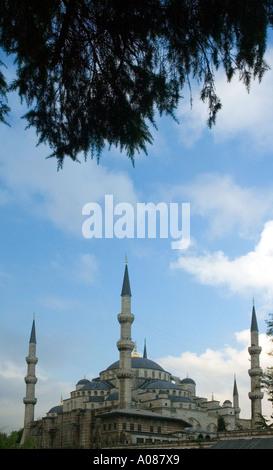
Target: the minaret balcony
(30, 401)
(126, 317)
(31, 379)
(254, 350)
(31, 360)
(125, 344)
(255, 371)
(124, 374)
(256, 395)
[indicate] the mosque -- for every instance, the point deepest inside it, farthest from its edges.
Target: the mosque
(134, 401)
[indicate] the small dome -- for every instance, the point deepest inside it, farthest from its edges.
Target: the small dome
(187, 380)
(227, 403)
(83, 382)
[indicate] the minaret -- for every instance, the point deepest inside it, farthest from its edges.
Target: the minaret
(30, 379)
(125, 345)
(255, 371)
(236, 399)
(145, 350)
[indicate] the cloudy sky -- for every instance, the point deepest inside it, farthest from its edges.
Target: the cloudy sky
(193, 306)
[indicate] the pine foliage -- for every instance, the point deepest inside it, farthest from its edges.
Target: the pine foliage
(94, 72)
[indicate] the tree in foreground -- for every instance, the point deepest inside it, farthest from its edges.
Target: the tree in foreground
(221, 424)
(95, 72)
(267, 379)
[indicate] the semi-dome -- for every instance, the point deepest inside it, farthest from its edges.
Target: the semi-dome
(138, 363)
(113, 396)
(56, 409)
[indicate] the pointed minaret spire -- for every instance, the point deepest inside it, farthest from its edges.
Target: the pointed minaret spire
(30, 380)
(126, 289)
(145, 350)
(236, 399)
(235, 389)
(255, 371)
(254, 324)
(125, 345)
(33, 332)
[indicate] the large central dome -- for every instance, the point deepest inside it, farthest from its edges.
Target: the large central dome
(138, 363)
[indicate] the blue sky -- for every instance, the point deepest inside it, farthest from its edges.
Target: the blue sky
(192, 306)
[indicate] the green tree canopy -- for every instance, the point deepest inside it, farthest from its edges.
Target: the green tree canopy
(267, 379)
(95, 72)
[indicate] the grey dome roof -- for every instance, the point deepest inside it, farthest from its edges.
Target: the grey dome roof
(138, 363)
(187, 380)
(227, 402)
(83, 382)
(96, 386)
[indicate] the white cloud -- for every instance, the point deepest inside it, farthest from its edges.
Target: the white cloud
(244, 115)
(48, 392)
(227, 205)
(34, 182)
(10, 370)
(213, 371)
(252, 272)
